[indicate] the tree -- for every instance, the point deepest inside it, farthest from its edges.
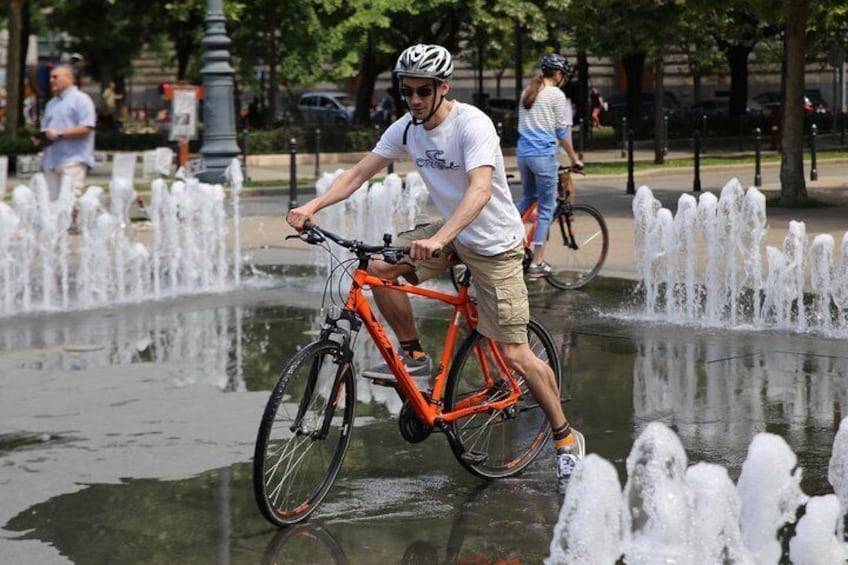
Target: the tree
(284, 40)
(177, 36)
(635, 32)
(702, 54)
(366, 37)
(793, 190)
(14, 67)
(109, 34)
(737, 31)
(795, 19)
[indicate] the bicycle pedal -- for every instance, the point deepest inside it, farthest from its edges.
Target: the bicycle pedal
(474, 457)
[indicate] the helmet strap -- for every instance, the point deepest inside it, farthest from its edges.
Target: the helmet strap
(415, 121)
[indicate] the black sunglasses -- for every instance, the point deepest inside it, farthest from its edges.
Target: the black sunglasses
(421, 91)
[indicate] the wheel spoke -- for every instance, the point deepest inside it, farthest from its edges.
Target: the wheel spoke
(509, 439)
(577, 261)
(294, 464)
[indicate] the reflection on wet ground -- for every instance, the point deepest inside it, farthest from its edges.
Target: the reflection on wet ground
(393, 503)
(397, 502)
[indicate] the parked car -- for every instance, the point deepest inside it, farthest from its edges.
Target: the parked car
(326, 107)
(769, 100)
(720, 108)
(617, 109)
(718, 118)
(816, 109)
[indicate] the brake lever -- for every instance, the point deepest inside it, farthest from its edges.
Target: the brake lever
(308, 236)
(393, 256)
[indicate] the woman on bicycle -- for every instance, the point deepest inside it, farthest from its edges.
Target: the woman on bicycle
(457, 151)
(544, 122)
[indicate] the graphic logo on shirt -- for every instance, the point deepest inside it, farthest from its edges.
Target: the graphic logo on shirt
(434, 160)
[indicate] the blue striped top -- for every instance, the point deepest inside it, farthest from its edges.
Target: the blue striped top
(548, 120)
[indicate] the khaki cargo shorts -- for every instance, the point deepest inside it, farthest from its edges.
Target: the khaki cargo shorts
(502, 304)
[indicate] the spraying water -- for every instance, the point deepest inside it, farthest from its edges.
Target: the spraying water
(111, 260)
(675, 514)
(722, 239)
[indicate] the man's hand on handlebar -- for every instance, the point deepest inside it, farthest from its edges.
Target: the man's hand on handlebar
(424, 249)
(297, 217)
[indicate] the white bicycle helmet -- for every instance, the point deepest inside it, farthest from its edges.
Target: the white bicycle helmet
(425, 61)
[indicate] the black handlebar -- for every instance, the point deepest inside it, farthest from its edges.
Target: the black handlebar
(312, 234)
(569, 169)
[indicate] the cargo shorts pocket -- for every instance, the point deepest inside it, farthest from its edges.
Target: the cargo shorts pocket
(513, 306)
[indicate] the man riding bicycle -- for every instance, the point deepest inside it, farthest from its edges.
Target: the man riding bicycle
(458, 154)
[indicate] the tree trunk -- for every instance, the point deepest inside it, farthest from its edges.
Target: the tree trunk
(583, 107)
(273, 86)
(793, 191)
(659, 110)
(14, 69)
(634, 66)
(737, 59)
(519, 58)
(368, 72)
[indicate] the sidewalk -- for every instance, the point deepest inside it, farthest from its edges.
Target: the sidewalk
(263, 230)
(274, 170)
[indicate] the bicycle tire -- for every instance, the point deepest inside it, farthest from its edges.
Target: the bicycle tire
(575, 264)
(509, 441)
(293, 471)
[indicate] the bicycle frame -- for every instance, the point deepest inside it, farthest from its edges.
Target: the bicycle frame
(428, 408)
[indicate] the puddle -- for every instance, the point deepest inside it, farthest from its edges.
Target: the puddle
(393, 502)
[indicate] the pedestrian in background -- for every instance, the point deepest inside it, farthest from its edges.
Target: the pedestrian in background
(598, 105)
(67, 132)
(109, 105)
(545, 117)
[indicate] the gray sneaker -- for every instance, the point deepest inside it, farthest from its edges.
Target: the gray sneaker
(568, 458)
(539, 271)
(419, 368)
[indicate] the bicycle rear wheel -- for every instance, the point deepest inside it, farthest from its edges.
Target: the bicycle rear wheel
(577, 246)
(304, 434)
(501, 443)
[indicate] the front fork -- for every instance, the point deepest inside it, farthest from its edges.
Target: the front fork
(564, 213)
(330, 330)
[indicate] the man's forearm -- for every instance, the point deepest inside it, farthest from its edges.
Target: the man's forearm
(76, 131)
(470, 206)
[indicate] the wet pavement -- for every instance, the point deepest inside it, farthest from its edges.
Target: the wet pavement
(126, 433)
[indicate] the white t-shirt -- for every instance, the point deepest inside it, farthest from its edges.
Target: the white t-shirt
(465, 140)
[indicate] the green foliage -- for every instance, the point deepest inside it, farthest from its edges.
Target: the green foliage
(285, 38)
(339, 139)
(624, 27)
(113, 140)
(109, 34)
(23, 145)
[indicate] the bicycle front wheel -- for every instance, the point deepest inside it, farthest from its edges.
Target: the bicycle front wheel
(501, 443)
(304, 434)
(577, 246)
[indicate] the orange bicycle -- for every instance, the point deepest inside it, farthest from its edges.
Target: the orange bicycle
(578, 239)
(491, 421)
